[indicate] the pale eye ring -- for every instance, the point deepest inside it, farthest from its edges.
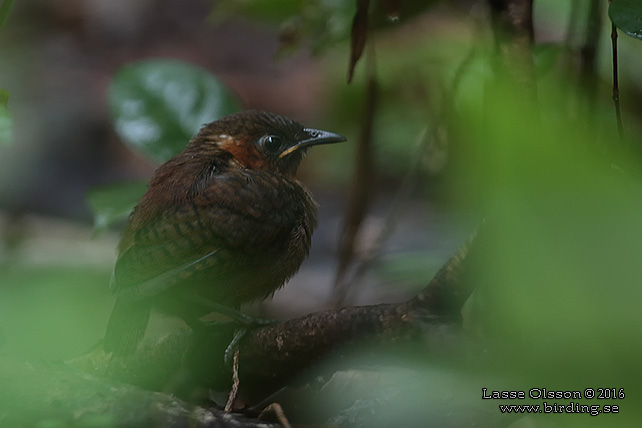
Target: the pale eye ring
(271, 143)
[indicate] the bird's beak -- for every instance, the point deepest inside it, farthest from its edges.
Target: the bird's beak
(315, 137)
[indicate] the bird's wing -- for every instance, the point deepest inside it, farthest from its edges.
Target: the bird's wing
(228, 219)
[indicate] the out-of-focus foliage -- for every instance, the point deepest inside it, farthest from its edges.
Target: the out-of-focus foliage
(556, 268)
(113, 202)
(5, 8)
(557, 278)
(358, 35)
(52, 313)
(5, 118)
(557, 281)
(317, 24)
(158, 105)
(627, 16)
(557, 272)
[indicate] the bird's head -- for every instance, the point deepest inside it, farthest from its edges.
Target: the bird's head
(261, 140)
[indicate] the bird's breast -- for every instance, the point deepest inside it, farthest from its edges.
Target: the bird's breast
(233, 236)
(266, 221)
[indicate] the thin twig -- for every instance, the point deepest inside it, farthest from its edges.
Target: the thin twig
(361, 189)
(409, 179)
(616, 87)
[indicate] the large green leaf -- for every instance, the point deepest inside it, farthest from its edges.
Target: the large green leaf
(114, 202)
(627, 16)
(158, 105)
(5, 118)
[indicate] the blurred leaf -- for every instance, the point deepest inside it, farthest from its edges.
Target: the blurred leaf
(158, 105)
(558, 269)
(114, 202)
(627, 16)
(318, 23)
(53, 312)
(5, 7)
(5, 118)
(358, 35)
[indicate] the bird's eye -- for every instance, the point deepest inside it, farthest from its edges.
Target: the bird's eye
(271, 143)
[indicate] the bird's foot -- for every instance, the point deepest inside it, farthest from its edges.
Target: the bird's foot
(233, 347)
(235, 380)
(229, 312)
(247, 323)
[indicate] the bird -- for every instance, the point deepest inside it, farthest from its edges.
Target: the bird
(222, 223)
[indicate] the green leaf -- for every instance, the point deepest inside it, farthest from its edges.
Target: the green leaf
(114, 202)
(158, 105)
(5, 118)
(627, 16)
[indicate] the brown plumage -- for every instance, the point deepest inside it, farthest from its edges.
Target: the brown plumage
(224, 221)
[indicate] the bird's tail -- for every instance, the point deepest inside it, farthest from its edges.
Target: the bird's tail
(126, 326)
